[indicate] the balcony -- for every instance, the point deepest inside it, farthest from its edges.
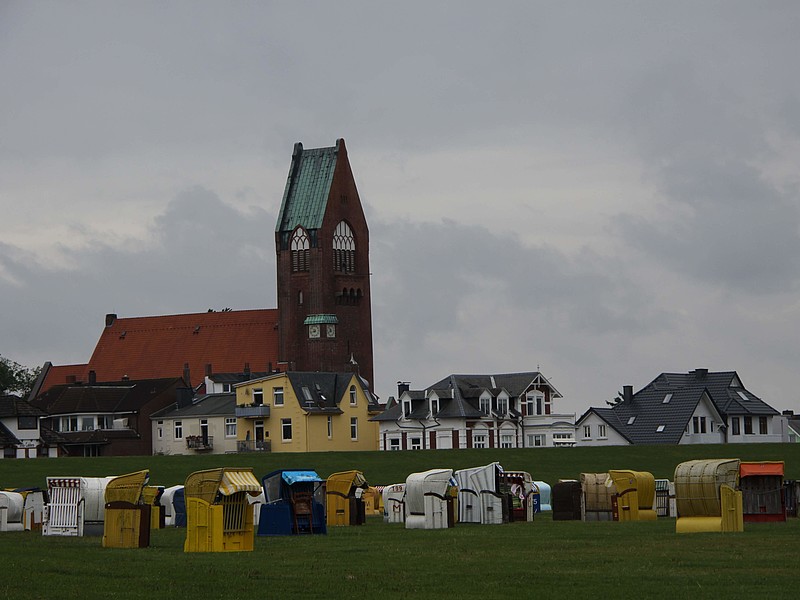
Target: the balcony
(253, 446)
(255, 411)
(200, 443)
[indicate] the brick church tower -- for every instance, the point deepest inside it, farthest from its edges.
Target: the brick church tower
(322, 246)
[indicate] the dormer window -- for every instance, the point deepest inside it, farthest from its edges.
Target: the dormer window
(485, 404)
(406, 407)
(434, 406)
(502, 405)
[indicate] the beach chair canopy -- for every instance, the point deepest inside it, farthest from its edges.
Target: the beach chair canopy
(225, 481)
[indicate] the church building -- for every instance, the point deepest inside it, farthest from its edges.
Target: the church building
(323, 320)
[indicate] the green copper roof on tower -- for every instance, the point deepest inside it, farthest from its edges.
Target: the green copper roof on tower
(307, 188)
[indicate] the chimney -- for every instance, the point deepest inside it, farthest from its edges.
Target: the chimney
(92, 377)
(788, 413)
(403, 386)
(209, 371)
(183, 396)
(110, 318)
(187, 376)
(627, 393)
(247, 370)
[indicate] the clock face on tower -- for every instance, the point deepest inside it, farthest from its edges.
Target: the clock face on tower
(313, 331)
(330, 331)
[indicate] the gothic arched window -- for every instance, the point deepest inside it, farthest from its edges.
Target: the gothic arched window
(344, 248)
(299, 247)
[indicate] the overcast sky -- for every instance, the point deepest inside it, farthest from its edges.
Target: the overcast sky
(603, 191)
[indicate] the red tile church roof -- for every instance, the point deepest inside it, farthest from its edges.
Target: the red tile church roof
(155, 347)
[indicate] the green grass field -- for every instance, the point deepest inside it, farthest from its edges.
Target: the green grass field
(526, 560)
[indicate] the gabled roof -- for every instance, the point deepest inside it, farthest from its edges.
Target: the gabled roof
(207, 405)
(107, 397)
(58, 375)
(322, 392)
(318, 391)
(639, 418)
(725, 388)
(14, 406)
(308, 186)
(459, 394)
(515, 384)
(154, 347)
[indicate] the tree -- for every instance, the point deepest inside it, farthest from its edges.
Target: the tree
(14, 378)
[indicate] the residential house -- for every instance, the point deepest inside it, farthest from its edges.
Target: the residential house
(206, 424)
(301, 411)
(698, 407)
(19, 428)
(792, 427)
(106, 418)
(511, 410)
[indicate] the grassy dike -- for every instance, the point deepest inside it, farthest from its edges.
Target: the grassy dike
(547, 464)
(556, 559)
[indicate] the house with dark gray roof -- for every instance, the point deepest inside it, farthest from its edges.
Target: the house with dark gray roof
(507, 410)
(20, 435)
(205, 424)
(110, 418)
(698, 407)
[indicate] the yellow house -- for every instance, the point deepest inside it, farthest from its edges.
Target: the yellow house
(306, 412)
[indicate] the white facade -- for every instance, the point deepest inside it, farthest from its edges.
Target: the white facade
(192, 434)
(466, 415)
(594, 431)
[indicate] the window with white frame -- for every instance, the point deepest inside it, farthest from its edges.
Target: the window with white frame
(353, 428)
(486, 404)
(277, 396)
(394, 444)
(406, 407)
(479, 440)
(507, 440)
(416, 443)
(160, 430)
(587, 431)
(601, 430)
(258, 396)
(286, 430)
(230, 426)
(434, 405)
(537, 440)
(502, 405)
(353, 397)
(178, 430)
(532, 400)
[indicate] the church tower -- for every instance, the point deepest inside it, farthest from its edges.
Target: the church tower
(322, 247)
